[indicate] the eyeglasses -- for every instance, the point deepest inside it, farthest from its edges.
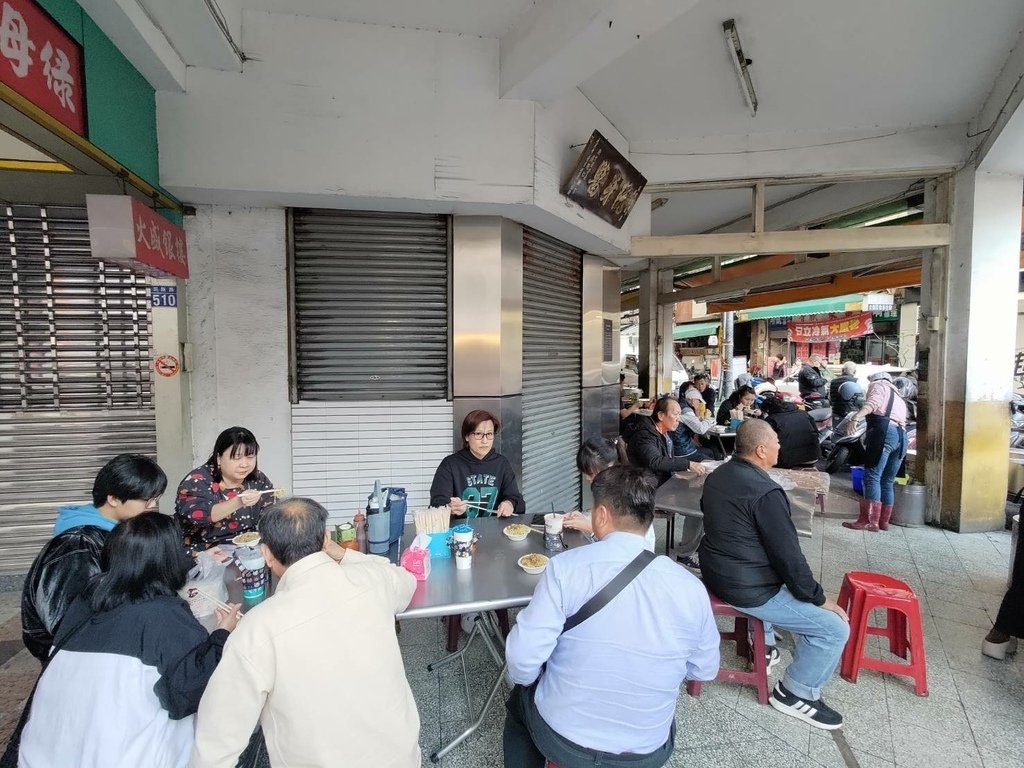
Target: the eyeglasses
(482, 435)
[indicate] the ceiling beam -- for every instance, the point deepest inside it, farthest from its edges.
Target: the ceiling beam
(808, 270)
(916, 237)
(142, 42)
(997, 127)
(839, 286)
(561, 43)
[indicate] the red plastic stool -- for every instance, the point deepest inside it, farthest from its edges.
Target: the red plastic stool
(742, 625)
(861, 593)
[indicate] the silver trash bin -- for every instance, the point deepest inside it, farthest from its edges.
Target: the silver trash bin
(910, 505)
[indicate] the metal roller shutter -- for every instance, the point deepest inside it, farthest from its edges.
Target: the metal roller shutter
(370, 293)
(552, 343)
(75, 386)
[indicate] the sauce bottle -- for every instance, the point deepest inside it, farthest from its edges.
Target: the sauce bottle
(359, 521)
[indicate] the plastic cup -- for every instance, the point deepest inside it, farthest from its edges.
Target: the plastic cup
(463, 559)
(553, 523)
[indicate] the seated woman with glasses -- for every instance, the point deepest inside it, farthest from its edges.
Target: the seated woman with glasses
(477, 481)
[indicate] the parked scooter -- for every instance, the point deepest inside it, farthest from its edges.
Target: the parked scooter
(846, 449)
(1017, 422)
(849, 449)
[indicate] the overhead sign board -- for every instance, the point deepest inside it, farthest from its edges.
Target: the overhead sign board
(42, 63)
(604, 182)
(125, 230)
(838, 328)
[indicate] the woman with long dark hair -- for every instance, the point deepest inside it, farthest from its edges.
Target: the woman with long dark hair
(223, 498)
(130, 661)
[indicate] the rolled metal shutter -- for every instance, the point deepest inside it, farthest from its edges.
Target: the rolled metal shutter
(370, 305)
(75, 386)
(552, 344)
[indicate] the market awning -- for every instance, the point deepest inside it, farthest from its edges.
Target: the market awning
(693, 330)
(853, 302)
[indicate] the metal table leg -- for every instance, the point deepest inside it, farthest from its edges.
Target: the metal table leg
(475, 724)
(486, 627)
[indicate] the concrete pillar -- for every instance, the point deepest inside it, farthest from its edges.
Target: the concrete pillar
(970, 298)
(171, 394)
(655, 333)
(487, 327)
(907, 329)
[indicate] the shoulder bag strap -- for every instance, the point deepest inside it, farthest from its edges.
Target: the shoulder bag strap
(610, 590)
(892, 399)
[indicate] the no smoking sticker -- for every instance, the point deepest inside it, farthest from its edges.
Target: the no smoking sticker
(167, 365)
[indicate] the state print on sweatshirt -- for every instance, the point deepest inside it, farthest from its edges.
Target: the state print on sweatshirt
(481, 489)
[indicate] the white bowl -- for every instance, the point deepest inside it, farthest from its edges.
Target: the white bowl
(515, 537)
(254, 543)
(533, 571)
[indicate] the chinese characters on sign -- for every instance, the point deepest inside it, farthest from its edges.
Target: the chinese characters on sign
(123, 229)
(41, 62)
(604, 182)
(833, 329)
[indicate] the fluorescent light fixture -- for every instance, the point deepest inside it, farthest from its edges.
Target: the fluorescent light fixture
(890, 217)
(740, 63)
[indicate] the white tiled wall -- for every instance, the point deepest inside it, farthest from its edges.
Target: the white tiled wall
(339, 449)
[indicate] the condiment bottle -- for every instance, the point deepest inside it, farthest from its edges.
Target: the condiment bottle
(359, 521)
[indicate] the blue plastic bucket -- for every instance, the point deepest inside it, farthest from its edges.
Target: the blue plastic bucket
(857, 473)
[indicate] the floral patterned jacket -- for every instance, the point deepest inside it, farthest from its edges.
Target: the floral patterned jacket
(197, 494)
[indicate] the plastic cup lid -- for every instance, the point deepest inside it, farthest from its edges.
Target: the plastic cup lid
(462, 529)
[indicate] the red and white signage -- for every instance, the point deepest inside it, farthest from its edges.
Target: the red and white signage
(167, 365)
(40, 61)
(125, 230)
(838, 328)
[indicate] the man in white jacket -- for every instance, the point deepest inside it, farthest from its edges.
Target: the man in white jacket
(316, 659)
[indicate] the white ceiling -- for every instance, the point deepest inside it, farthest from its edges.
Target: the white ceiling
(487, 18)
(817, 65)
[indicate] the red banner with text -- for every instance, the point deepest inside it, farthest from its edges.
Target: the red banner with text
(838, 328)
(41, 62)
(125, 230)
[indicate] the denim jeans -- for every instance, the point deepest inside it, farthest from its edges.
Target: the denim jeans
(878, 479)
(528, 741)
(820, 636)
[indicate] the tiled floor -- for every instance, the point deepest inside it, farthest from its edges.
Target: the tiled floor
(972, 717)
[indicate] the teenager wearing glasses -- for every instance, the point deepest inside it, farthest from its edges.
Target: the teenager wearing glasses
(477, 481)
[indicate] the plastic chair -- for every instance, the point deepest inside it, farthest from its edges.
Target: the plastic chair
(862, 592)
(743, 626)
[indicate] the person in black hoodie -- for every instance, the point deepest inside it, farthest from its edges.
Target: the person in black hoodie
(477, 481)
(751, 559)
(130, 661)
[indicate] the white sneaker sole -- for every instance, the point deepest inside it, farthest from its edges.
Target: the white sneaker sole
(788, 710)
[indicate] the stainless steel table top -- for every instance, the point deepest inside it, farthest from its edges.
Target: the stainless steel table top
(494, 581)
(682, 497)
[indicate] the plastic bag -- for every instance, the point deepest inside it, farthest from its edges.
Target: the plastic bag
(205, 580)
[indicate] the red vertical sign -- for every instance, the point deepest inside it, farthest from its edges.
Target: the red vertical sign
(41, 62)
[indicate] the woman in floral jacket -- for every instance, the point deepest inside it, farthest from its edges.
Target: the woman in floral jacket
(223, 498)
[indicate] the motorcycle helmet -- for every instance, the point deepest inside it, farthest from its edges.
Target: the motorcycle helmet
(906, 387)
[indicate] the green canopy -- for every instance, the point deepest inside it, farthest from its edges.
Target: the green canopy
(693, 330)
(853, 302)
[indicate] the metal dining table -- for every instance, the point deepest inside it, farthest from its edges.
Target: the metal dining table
(494, 581)
(680, 495)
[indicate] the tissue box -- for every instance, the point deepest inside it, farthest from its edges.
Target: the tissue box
(439, 547)
(417, 562)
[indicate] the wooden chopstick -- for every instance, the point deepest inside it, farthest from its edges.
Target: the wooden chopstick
(215, 601)
(272, 490)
